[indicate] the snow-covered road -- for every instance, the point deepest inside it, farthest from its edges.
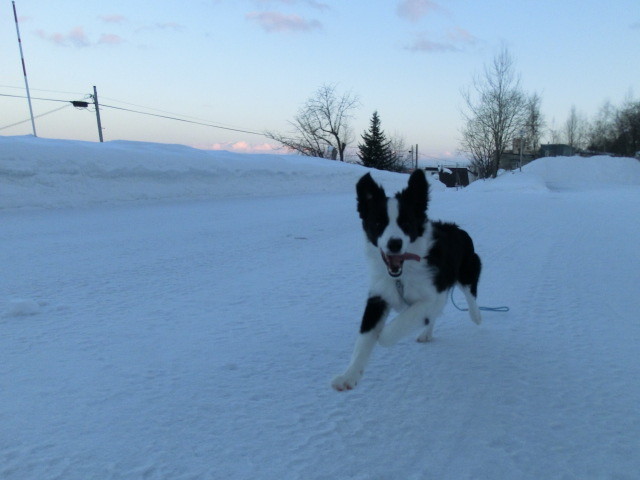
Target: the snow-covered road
(198, 340)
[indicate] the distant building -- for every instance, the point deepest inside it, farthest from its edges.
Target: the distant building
(454, 176)
(557, 150)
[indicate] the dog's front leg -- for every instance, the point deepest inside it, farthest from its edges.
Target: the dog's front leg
(372, 322)
(418, 315)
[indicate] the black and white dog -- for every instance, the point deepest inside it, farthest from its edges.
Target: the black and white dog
(414, 263)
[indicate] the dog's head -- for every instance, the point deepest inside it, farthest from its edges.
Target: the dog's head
(394, 224)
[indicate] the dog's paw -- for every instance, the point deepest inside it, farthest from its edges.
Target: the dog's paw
(424, 337)
(347, 381)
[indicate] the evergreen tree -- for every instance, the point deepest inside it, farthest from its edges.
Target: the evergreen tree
(375, 151)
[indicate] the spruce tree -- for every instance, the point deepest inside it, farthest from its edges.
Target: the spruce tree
(375, 151)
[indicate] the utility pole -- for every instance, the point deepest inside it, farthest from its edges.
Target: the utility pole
(24, 70)
(411, 153)
(521, 142)
(95, 103)
(416, 156)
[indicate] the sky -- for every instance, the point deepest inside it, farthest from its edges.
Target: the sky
(250, 64)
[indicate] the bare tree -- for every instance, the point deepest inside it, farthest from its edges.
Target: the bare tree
(555, 135)
(495, 112)
(603, 129)
(476, 142)
(576, 129)
(534, 124)
(402, 155)
(628, 129)
(321, 126)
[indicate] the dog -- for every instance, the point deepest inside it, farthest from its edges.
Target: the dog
(414, 263)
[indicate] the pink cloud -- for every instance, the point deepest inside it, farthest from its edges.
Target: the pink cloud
(460, 35)
(110, 39)
(115, 18)
(280, 22)
(425, 45)
(319, 5)
(414, 10)
(311, 3)
(170, 26)
(456, 40)
(78, 38)
(75, 37)
(244, 147)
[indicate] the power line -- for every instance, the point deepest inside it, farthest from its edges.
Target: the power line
(183, 120)
(34, 98)
(37, 116)
(169, 113)
(126, 103)
(149, 114)
(42, 90)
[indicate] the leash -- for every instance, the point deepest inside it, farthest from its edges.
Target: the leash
(484, 309)
(400, 287)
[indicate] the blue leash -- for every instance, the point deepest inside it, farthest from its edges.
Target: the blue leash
(484, 309)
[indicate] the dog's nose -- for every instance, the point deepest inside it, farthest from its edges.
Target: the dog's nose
(394, 245)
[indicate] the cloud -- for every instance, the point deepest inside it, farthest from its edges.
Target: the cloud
(425, 45)
(280, 22)
(79, 39)
(115, 18)
(456, 40)
(318, 5)
(110, 39)
(170, 26)
(461, 36)
(414, 10)
(244, 147)
(311, 3)
(75, 38)
(176, 27)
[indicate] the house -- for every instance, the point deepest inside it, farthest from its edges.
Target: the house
(513, 160)
(557, 150)
(454, 176)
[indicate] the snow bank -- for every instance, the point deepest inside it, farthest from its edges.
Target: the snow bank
(37, 172)
(572, 172)
(565, 173)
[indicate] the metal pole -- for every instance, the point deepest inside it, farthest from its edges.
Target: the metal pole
(24, 69)
(521, 142)
(416, 156)
(95, 102)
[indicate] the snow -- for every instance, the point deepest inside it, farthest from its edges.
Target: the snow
(170, 313)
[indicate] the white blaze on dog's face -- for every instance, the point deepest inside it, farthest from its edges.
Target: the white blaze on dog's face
(394, 241)
(392, 224)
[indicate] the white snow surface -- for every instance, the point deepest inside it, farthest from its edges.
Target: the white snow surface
(170, 313)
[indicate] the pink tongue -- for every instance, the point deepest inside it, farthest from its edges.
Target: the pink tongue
(410, 256)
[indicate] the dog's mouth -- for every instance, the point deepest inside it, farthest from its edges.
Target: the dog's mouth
(395, 262)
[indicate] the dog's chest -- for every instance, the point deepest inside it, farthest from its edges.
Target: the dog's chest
(415, 284)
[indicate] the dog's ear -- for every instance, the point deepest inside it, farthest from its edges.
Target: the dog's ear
(368, 191)
(417, 191)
